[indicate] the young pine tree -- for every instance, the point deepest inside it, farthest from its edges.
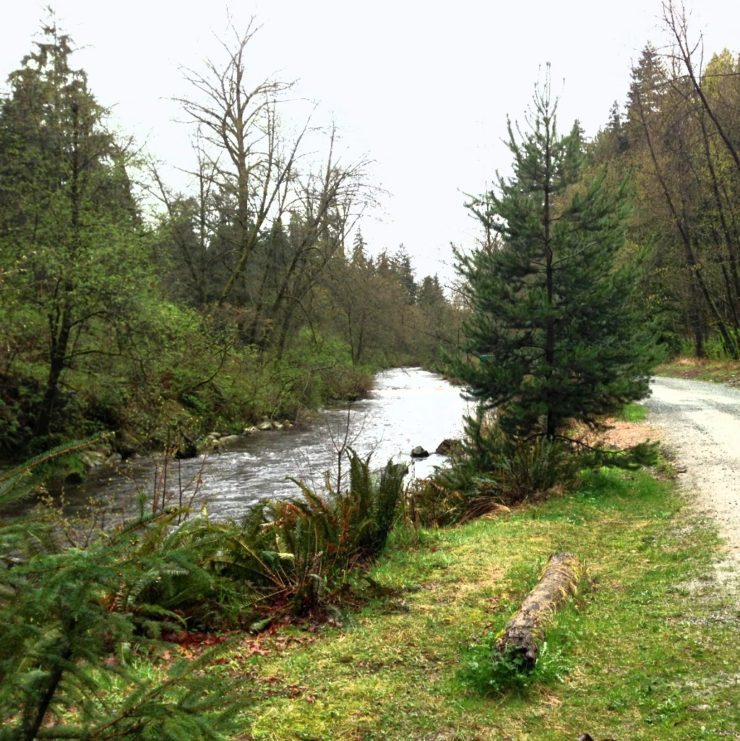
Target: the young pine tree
(555, 332)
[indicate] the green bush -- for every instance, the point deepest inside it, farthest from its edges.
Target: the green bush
(74, 622)
(296, 553)
(496, 467)
(289, 556)
(490, 672)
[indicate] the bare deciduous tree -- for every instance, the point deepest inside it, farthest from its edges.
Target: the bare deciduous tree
(267, 178)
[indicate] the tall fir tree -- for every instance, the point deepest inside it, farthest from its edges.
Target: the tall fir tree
(555, 333)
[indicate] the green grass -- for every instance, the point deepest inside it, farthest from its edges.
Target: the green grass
(716, 371)
(648, 650)
(634, 412)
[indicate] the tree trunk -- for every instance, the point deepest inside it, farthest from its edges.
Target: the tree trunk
(51, 395)
(523, 633)
(550, 416)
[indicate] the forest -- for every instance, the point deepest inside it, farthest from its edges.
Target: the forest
(261, 271)
(137, 318)
(254, 296)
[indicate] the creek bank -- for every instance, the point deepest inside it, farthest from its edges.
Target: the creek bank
(216, 442)
(407, 407)
(401, 669)
(127, 444)
(110, 453)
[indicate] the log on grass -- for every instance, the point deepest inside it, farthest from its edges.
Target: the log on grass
(520, 639)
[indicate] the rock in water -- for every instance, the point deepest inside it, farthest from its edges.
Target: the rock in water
(449, 446)
(187, 449)
(229, 441)
(419, 452)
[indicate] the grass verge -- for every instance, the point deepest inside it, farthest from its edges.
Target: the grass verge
(717, 371)
(634, 412)
(648, 651)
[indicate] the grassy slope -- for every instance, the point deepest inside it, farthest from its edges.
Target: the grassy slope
(719, 371)
(649, 652)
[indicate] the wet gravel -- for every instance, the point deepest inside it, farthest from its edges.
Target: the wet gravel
(701, 424)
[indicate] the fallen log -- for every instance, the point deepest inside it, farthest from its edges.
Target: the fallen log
(520, 639)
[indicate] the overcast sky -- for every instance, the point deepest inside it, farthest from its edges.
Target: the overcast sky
(420, 88)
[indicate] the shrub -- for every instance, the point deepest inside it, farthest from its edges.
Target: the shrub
(492, 673)
(299, 551)
(74, 622)
(495, 467)
(430, 503)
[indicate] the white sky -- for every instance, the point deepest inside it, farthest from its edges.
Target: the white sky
(421, 88)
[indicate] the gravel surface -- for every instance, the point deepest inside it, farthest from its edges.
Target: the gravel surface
(701, 424)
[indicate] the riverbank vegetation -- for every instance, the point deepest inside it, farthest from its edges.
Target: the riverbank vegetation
(83, 603)
(419, 638)
(251, 296)
(418, 664)
(365, 610)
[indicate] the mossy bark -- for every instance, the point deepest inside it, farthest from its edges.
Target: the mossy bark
(523, 634)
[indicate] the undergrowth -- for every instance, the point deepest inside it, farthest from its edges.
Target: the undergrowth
(79, 616)
(491, 468)
(647, 651)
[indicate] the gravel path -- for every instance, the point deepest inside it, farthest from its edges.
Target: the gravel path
(701, 423)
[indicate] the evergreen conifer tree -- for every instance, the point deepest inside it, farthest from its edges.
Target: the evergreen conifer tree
(555, 333)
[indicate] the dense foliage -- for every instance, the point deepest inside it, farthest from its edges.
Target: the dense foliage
(555, 333)
(238, 301)
(76, 625)
(80, 614)
(676, 138)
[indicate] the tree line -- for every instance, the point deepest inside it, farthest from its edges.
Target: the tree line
(244, 297)
(677, 140)
(253, 294)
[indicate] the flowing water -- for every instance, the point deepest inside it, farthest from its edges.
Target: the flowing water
(407, 407)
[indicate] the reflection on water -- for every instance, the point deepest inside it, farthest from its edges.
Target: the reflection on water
(407, 407)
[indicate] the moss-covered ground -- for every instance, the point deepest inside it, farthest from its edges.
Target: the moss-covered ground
(649, 649)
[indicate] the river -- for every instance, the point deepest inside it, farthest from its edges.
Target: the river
(407, 407)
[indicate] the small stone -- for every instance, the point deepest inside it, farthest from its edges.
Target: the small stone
(229, 441)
